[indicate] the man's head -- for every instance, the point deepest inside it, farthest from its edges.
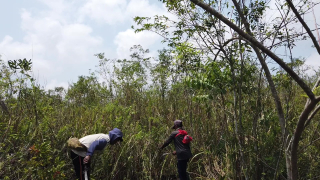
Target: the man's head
(115, 136)
(116, 141)
(177, 124)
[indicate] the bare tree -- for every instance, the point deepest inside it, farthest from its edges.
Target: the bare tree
(291, 143)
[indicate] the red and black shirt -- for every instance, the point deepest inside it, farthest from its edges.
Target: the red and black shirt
(183, 150)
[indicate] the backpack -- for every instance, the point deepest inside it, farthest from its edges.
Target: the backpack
(186, 139)
(74, 143)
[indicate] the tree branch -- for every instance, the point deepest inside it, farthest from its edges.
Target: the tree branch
(254, 42)
(267, 72)
(314, 87)
(314, 40)
(312, 115)
(297, 134)
(3, 106)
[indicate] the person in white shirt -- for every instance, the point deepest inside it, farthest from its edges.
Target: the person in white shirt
(92, 142)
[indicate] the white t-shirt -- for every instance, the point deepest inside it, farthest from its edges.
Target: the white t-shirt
(88, 140)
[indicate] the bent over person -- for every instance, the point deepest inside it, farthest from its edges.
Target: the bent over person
(81, 156)
(182, 146)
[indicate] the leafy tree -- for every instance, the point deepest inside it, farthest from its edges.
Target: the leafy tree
(206, 22)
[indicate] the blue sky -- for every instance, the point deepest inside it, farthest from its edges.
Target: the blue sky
(62, 36)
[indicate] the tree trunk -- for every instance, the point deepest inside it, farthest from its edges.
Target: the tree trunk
(288, 165)
(3, 106)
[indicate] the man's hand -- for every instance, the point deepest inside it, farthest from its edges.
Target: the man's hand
(174, 152)
(86, 159)
(160, 147)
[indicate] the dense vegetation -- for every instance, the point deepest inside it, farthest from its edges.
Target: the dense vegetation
(242, 112)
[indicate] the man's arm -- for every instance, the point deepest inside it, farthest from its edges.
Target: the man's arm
(96, 145)
(168, 141)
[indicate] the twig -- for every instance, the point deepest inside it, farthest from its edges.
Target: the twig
(306, 27)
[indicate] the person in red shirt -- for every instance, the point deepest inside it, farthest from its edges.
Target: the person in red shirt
(182, 145)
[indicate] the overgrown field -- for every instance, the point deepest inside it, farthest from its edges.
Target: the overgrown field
(237, 81)
(36, 123)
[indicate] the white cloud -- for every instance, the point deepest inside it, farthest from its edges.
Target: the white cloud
(313, 62)
(60, 37)
(55, 46)
(144, 8)
(120, 11)
(126, 39)
(105, 11)
(13, 49)
(76, 43)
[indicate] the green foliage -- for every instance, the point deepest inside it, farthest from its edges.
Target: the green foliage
(202, 94)
(213, 84)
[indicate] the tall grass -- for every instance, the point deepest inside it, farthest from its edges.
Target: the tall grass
(34, 132)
